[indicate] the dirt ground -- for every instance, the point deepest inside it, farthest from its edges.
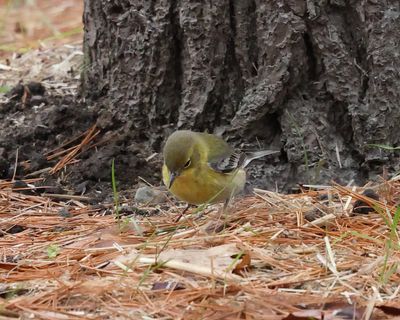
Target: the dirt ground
(42, 118)
(41, 110)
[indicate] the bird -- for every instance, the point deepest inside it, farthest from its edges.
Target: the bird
(201, 168)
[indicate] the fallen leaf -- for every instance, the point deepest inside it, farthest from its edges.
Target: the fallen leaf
(244, 262)
(213, 262)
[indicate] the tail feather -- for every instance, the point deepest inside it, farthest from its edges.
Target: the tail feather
(250, 156)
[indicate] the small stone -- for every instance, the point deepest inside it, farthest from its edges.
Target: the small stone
(149, 195)
(63, 212)
(37, 100)
(36, 88)
(15, 229)
(81, 188)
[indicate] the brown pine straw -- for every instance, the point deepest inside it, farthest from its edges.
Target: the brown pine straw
(74, 151)
(103, 269)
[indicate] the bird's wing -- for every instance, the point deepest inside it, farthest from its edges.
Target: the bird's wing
(228, 164)
(238, 160)
(221, 156)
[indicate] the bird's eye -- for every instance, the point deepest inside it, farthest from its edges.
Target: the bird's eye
(187, 164)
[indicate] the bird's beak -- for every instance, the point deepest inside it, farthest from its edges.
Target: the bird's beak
(172, 177)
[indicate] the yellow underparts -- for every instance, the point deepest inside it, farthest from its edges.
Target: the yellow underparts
(205, 185)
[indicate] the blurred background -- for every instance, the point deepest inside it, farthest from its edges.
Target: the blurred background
(35, 24)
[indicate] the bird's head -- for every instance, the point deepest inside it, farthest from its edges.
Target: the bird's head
(180, 153)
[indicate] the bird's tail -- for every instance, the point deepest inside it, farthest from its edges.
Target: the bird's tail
(250, 156)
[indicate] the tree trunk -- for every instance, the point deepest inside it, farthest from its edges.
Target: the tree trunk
(317, 79)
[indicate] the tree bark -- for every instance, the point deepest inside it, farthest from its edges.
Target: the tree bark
(318, 79)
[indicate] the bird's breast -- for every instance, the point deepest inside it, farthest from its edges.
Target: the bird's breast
(204, 185)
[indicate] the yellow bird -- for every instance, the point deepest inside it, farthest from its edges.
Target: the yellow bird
(201, 168)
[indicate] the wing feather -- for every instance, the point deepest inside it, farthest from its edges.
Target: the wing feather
(222, 158)
(228, 164)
